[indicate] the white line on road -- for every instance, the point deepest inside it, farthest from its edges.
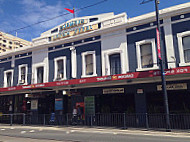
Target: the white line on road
(32, 131)
(2, 129)
(23, 132)
(72, 131)
(67, 132)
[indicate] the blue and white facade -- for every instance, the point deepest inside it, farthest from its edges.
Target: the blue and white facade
(103, 45)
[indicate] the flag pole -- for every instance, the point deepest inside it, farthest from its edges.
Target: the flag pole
(73, 12)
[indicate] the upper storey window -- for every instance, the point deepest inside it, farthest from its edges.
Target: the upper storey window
(184, 48)
(88, 64)
(22, 74)
(146, 55)
(40, 74)
(115, 64)
(60, 68)
(8, 78)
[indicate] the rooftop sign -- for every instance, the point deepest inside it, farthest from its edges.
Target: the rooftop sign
(73, 28)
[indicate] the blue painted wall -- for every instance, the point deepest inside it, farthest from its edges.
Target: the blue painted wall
(138, 36)
(28, 61)
(179, 28)
(95, 46)
(55, 54)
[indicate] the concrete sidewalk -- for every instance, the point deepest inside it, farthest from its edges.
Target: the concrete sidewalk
(101, 130)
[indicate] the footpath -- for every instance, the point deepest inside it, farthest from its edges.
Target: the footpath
(102, 130)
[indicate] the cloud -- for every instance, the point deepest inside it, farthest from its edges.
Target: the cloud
(33, 11)
(36, 11)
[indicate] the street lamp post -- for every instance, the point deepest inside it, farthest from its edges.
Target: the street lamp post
(162, 67)
(160, 56)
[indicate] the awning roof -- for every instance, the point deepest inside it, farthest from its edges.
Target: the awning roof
(180, 73)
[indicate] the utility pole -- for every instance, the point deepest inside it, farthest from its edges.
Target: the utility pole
(161, 62)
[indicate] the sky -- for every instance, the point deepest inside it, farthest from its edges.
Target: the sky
(15, 14)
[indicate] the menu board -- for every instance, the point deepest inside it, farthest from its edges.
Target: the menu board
(89, 102)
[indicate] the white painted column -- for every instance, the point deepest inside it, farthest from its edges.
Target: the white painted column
(73, 62)
(170, 53)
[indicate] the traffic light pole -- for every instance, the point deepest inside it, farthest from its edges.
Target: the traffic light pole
(160, 56)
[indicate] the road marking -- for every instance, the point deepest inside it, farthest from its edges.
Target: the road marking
(40, 129)
(67, 132)
(72, 131)
(23, 132)
(12, 128)
(115, 133)
(2, 129)
(32, 131)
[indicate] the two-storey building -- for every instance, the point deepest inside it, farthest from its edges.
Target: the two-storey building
(103, 63)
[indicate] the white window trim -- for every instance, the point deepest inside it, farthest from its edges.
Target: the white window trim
(35, 72)
(26, 75)
(154, 54)
(107, 53)
(180, 47)
(64, 67)
(84, 64)
(5, 77)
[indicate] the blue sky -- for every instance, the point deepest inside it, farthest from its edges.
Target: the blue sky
(21, 13)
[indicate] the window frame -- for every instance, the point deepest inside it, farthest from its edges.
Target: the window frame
(56, 67)
(35, 74)
(109, 63)
(83, 54)
(154, 55)
(107, 54)
(26, 75)
(5, 77)
(181, 49)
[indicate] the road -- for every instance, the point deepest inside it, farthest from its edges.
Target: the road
(77, 134)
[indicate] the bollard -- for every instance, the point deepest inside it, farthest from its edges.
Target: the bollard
(124, 121)
(67, 117)
(147, 126)
(11, 121)
(91, 121)
(44, 119)
(24, 119)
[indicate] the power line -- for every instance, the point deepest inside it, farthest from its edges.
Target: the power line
(43, 21)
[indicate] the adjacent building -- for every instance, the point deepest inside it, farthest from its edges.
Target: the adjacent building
(9, 42)
(103, 63)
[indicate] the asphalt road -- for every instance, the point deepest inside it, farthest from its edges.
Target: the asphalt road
(74, 134)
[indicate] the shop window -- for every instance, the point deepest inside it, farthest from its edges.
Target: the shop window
(146, 55)
(88, 64)
(184, 48)
(60, 68)
(23, 74)
(115, 64)
(8, 78)
(40, 74)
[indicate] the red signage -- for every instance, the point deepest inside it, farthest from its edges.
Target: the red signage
(132, 75)
(158, 43)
